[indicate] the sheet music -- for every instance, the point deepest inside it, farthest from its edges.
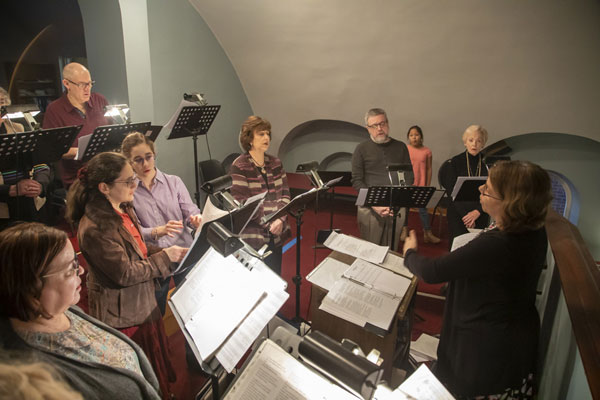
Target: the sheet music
(246, 333)
(210, 213)
(327, 273)
(463, 239)
(423, 385)
(377, 278)
(395, 264)
(425, 346)
(272, 374)
(254, 198)
(215, 299)
(184, 103)
(356, 247)
(359, 305)
(82, 145)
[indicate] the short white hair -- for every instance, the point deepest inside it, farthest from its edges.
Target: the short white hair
(473, 129)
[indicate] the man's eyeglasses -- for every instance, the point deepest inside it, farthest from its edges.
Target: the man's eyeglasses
(131, 182)
(379, 125)
(72, 270)
(140, 160)
(82, 85)
(484, 192)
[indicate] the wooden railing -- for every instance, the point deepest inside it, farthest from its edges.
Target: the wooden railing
(580, 280)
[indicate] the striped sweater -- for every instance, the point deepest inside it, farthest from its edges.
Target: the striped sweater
(247, 182)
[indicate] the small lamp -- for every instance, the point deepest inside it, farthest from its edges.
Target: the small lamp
(195, 97)
(119, 112)
(311, 168)
(219, 186)
(400, 169)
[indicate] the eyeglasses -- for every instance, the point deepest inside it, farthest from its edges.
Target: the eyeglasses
(131, 182)
(379, 125)
(82, 85)
(484, 192)
(140, 160)
(73, 268)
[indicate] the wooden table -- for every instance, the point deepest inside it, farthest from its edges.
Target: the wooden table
(392, 346)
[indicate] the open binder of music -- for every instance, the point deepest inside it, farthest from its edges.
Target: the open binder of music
(272, 373)
(223, 304)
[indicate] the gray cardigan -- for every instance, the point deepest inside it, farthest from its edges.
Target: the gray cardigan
(92, 380)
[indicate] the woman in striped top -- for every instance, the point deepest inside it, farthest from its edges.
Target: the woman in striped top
(255, 172)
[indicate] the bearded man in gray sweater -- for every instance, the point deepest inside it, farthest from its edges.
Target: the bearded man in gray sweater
(369, 168)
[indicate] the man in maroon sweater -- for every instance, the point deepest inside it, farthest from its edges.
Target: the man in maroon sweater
(78, 106)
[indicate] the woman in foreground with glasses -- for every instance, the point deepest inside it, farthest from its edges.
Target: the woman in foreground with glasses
(40, 285)
(162, 204)
(122, 268)
(491, 326)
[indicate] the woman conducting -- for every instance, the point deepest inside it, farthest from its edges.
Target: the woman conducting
(490, 329)
(162, 204)
(122, 268)
(255, 172)
(40, 282)
(466, 214)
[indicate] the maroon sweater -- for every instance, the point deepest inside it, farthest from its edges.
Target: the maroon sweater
(61, 113)
(247, 182)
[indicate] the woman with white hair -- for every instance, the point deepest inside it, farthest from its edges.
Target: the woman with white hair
(463, 215)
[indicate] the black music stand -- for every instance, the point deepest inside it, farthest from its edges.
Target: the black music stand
(25, 149)
(194, 121)
(109, 138)
(153, 132)
(467, 188)
(296, 209)
(21, 151)
(346, 181)
(395, 197)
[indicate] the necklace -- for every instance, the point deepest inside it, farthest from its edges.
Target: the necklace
(478, 172)
(258, 165)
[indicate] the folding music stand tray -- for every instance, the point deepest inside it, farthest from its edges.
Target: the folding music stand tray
(395, 197)
(110, 137)
(194, 121)
(296, 209)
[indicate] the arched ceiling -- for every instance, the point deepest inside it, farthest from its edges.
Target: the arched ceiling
(442, 65)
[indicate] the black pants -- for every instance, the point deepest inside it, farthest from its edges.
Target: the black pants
(274, 260)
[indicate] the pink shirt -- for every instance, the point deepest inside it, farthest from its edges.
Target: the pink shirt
(418, 158)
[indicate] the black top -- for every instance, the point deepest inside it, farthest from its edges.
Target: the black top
(491, 326)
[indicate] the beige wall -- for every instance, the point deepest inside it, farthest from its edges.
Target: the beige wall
(513, 66)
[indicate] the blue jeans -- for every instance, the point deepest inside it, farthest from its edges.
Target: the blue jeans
(424, 219)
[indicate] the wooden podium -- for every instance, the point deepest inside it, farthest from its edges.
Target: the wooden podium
(394, 346)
